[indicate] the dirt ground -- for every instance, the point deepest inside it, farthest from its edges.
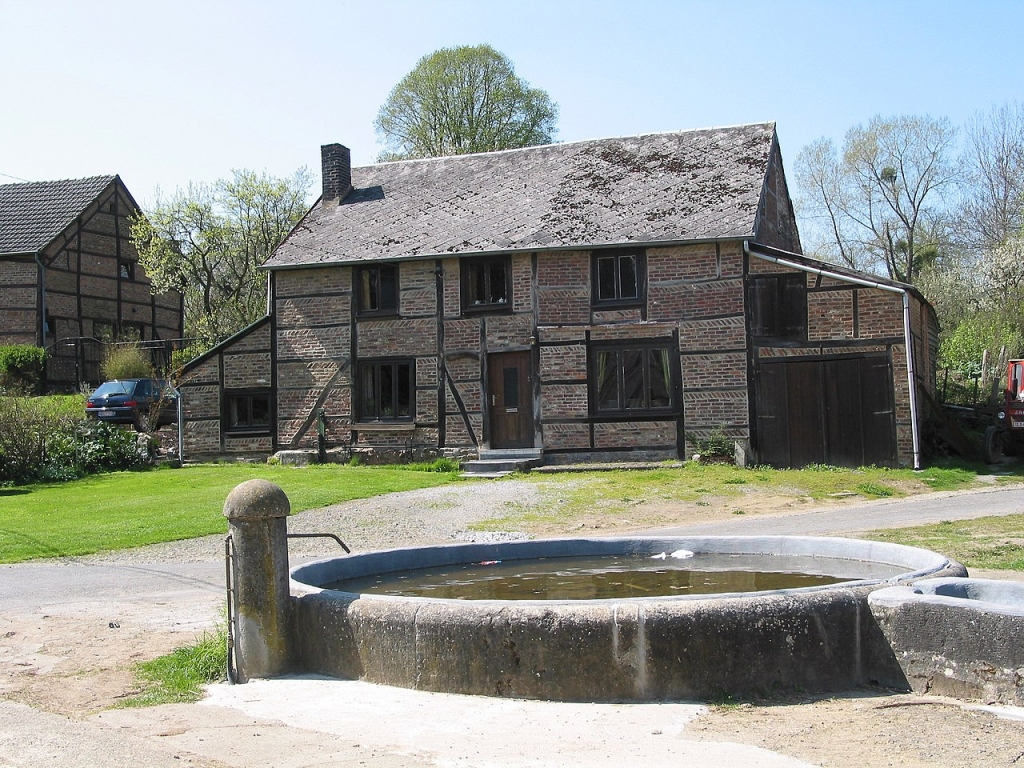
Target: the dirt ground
(79, 662)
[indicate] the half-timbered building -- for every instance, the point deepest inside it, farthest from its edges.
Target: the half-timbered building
(611, 299)
(70, 280)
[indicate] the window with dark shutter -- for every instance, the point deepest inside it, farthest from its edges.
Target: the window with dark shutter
(777, 306)
(385, 390)
(486, 283)
(247, 412)
(633, 378)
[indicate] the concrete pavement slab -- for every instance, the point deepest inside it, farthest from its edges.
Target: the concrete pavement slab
(29, 737)
(342, 722)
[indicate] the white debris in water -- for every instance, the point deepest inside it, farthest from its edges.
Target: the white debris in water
(659, 556)
(682, 554)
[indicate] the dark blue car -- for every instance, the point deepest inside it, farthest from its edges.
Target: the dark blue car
(140, 402)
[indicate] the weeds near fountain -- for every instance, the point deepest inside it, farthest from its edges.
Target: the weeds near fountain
(179, 676)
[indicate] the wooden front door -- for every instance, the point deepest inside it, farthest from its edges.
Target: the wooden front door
(510, 399)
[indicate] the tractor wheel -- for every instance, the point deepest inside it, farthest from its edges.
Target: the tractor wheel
(992, 445)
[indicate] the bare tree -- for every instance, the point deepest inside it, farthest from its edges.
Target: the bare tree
(993, 207)
(209, 241)
(879, 199)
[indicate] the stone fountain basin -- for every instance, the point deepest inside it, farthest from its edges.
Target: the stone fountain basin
(637, 649)
(957, 637)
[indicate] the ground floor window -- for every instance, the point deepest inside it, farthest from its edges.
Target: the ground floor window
(632, 379)
(247, 411)
(385, 390)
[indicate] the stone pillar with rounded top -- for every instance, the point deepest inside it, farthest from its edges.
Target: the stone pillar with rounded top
(257, 512)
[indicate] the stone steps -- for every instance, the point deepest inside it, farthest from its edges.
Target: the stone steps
(498, 463)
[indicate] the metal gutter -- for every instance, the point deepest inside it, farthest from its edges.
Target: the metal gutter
(510, 251)
(908, 338)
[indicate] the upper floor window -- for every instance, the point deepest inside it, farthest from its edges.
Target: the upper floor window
(126, 269)
(632, 378)
(618, 277)
(377, 289)
(487, 283)
(385, 390)
(777, 306)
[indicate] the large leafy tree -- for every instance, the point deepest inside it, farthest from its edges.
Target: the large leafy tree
(208, 242)
(462, 100)
(877, 197)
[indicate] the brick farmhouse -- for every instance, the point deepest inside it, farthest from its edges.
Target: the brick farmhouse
(70, 280)
(600, 300)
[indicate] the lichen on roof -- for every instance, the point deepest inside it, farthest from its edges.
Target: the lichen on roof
(666, 187)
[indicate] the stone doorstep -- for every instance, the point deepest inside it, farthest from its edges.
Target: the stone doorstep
(499, 463)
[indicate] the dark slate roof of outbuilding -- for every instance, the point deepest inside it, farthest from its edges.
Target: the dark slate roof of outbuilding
(666, 187)
(34, 213)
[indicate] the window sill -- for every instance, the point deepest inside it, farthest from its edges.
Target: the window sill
(488, 309)
(385, 426)
(255, 432)
(638, 415)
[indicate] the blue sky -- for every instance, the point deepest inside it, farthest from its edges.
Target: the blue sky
(164, 93)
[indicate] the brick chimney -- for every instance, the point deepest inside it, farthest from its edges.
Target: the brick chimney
(336, 161)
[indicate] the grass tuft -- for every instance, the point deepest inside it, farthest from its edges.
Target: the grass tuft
(179, 676)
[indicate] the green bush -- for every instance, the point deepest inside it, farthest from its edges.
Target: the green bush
(48, 439)
(22, 369)
(126, 361)
(717, 445)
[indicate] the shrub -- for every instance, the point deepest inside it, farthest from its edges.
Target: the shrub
(126, 361)
(716, 446)
(47, 439)
(22, 369)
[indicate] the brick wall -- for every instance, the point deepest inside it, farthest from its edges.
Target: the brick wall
(695, 294)
(243, 364)
(869, 321)
(563, 288)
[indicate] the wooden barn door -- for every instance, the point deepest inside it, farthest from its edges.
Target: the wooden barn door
(837, 412)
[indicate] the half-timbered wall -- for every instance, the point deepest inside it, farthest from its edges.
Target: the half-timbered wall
(236, 373)
(94, 289)
(848, 325)
(693, 302)
(19, 301)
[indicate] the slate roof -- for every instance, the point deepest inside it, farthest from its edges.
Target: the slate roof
(692, 185)
(34, 213)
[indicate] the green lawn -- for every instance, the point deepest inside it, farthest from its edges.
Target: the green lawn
(987, 542)
(129, 509)
(577, 495)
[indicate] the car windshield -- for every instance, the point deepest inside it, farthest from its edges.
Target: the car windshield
(108, 388)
